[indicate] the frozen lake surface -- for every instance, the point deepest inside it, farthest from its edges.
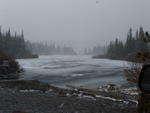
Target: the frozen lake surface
(75, 70)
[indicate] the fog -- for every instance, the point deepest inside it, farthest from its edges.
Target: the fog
(77, 23)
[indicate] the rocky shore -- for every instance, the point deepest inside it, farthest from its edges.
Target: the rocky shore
(20, 96)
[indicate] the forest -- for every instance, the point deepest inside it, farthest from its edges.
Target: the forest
(134, 48)
(41, 48)
(14, 45)
(96, 50)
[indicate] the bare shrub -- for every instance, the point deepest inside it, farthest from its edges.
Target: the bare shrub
(13, 65)
(132, 72)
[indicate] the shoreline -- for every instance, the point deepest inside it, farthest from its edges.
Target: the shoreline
(34, 96)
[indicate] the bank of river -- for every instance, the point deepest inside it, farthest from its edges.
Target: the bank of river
(29, 97)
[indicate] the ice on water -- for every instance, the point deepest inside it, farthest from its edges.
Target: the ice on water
(74, 70)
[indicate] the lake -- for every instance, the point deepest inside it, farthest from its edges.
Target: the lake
(75, 70)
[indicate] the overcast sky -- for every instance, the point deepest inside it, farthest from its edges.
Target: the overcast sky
(77, 23)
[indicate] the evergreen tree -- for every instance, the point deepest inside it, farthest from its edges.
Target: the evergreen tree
(14, 45)
(134, 44)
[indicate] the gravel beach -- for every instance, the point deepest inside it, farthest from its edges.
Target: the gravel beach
(52, 101)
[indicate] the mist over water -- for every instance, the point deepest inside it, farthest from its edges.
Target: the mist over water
(75, 70)
(77, 23)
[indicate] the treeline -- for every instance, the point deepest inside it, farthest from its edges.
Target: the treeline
(14, 45)
(49, 49)
(133, 47)
(97, 50)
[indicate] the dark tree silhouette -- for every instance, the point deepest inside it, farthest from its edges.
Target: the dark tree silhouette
(14, 45)
(134, 46)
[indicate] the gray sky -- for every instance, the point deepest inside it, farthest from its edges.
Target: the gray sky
(78, 23)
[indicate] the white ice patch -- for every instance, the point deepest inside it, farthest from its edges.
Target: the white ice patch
(135, 93)
(131, 91)
(135, 101)
(112, 99)
(26, 91)
(50, 90)
(80, 94)
(68, 95)
(61, 106)
(90, 97)
(77, 75)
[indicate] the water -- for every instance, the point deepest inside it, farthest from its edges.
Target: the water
(75, 70)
